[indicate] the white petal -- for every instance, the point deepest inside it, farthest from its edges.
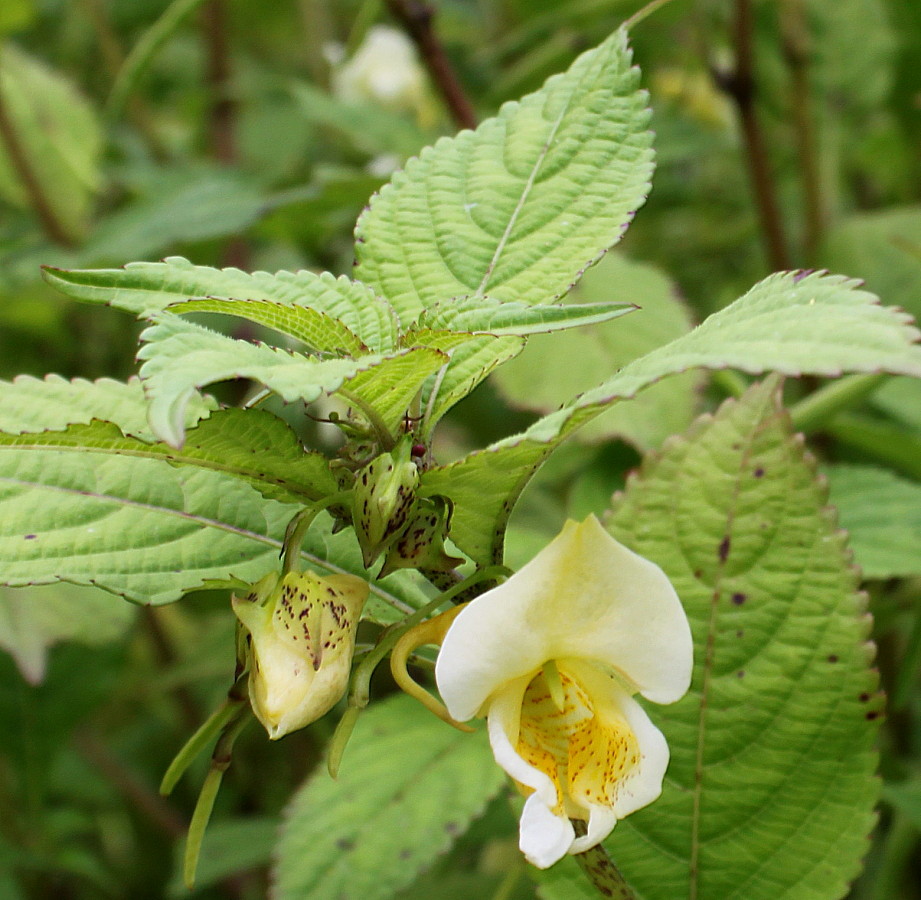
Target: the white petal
(503, 718)
(601, 822)
(544, 838)
(585, 596)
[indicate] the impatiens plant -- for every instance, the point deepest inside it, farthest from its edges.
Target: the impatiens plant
(705, 641)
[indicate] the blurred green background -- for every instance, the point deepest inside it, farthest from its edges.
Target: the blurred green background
(251, 134)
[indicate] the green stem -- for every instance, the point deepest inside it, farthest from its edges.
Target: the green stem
(226, 713)
(601, 871)
(299, 525)
(370, 413)
(822, 405)
(360, 690)
(643, 13)
(220, 761)
(887, 443)
(730, 381)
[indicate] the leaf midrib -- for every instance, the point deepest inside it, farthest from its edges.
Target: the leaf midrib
(529, 184)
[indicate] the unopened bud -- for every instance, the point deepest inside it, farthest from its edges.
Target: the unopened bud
(383, 498)
(421, 544)
(301, 638)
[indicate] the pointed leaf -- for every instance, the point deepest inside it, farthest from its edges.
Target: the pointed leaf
(180, 357)
(317, 330)
(772, 751)
(151, 531)
(578, 360)
(797, 324)
(485, 314)
(408, 786)
(142, 288)
(517, 209)
(250, 444)
(53, 403)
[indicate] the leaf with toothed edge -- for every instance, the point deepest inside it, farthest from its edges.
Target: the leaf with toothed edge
(253, 445)
(486, 314)
(143, 288)
(770, 789)
(408, 787)
(792, 322)
(517, 209)
(180, 357)
(319, 331)
(52, 403)
(151, 531)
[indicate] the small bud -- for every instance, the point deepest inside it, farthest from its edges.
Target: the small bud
(421, 544)
(301, 637)
(383, 497)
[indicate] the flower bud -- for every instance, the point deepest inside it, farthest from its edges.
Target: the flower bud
(383, 497)
(301, 637)
(421, 544)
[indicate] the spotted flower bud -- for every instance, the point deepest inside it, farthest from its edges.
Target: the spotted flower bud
(421, 544)
(299, 645)
(383, 498)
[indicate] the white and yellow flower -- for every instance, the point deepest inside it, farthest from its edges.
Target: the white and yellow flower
(552, 658)
(299, 640)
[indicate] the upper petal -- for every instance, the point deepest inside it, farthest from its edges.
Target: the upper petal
(583, 596)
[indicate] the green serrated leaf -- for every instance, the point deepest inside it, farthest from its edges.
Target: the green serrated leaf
(31, 621)
(882, 513)
(390, 386)
(486, 314)
(770, 789)
(142, 288)
(317, 330)
(251, 444)
(151, 531)
(793, 323)
(470, 363)
(409, 785)
(180, 357)
(517, 209)
(52, 403)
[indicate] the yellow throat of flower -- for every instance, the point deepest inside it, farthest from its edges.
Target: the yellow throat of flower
(562, 733)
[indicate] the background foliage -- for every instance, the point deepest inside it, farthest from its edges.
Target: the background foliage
(787, 136)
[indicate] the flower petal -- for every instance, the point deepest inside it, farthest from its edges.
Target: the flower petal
(584, 595)
(544, 837)
(503, 720)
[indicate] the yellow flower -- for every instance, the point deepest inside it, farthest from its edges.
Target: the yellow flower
(300, 640)
(552, 658)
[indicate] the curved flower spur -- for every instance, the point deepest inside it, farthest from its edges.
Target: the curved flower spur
(551, 658)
